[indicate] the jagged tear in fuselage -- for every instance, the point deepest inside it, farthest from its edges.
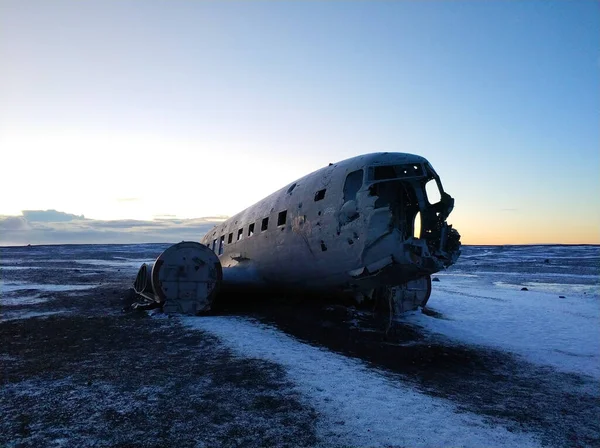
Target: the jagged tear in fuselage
(367, 226)
(348, 227)
(407, 237)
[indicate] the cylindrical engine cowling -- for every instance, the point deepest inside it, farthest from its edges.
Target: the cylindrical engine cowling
(185, 278)
(143, 283)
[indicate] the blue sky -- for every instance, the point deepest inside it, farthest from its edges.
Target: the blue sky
(107, 106)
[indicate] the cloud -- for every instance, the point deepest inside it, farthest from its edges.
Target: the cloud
(13, 223)
(49, 216)
(163, 216)
(54, 227)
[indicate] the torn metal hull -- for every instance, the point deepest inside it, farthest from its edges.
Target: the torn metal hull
(185, 279)
(373, 227)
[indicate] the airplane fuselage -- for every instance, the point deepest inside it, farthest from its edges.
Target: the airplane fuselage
(348, 227)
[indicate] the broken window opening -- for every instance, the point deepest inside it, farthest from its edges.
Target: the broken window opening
(320, 195)
(433, 192)
(323, 246)
(240, 234)
(389, 192)
(289, 190)
(214, 245)
(353, 183)
(395, 171)
(230, 238)
(221, 244)
(264, 224)
(402, 201)
(251, 229)
(281, 217)
(417, 226)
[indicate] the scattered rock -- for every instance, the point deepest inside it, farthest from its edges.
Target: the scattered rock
(561, 297)
(435, 279)
(524, 289)
(546, 261)
(432, 313)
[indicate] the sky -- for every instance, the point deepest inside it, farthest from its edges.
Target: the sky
(158, 113)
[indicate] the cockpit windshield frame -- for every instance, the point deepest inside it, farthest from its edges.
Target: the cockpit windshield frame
(380, 173)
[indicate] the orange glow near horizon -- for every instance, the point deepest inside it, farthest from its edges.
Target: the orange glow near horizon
(499, 229)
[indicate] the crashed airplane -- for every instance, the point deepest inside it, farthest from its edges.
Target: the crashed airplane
(372, 227)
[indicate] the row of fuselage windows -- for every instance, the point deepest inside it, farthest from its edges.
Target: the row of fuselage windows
(219, 243)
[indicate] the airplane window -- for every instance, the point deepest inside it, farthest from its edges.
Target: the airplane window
(221, 244)
(264, 225)
(240, 233)
(320, 195)
(433, 192)
(417, 226)
(281, 218)
(352, 185)
(230, 238)
(384, 172)
(394, 171)
(251, 229)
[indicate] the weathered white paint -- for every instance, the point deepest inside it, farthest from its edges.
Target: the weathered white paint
(338, 243)
(185, 278)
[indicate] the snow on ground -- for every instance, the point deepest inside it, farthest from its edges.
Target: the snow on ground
(15, 315)
(20, 286)
(359, 406)
(119, 263)
(539, 325)
(16, 293)
(23, 300)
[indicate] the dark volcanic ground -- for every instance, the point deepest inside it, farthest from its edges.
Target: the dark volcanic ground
(94, 376)
(80, 372)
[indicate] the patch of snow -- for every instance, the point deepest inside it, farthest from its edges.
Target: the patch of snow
(18, 315)
(557, 288)
(23, 300)
(18, 268)
(454, 274)
(361, 406)
(550, 274)
(20, 286)
(120, 263)
(538, 325)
